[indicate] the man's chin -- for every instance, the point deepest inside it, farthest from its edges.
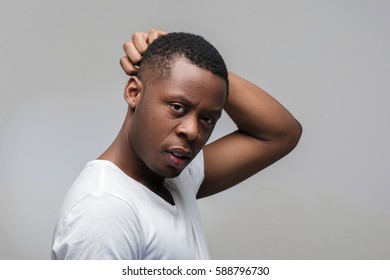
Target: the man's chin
(173, 173)
(169, 172)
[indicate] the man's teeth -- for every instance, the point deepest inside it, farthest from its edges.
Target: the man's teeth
(178, 155)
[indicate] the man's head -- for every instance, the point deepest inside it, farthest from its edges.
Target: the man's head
(160, 56)
(174, 102)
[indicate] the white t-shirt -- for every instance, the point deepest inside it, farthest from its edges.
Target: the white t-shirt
(108, 215)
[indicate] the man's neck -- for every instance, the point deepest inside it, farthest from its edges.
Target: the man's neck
(123, 155)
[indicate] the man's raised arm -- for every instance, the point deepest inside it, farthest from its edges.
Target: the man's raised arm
(266, 133)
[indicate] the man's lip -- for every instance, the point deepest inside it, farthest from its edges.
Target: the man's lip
(181, 152)
(179, 158)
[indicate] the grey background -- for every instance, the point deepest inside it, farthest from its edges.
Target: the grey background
(327, 61)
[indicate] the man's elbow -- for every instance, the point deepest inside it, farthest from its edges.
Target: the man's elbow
(293, 135)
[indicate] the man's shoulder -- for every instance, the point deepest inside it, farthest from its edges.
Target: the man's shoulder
(99, 206)
(98, 183)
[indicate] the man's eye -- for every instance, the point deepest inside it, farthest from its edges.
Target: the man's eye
(177, 108)
(208, 120)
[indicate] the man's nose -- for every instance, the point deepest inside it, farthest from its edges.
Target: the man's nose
(189, 128)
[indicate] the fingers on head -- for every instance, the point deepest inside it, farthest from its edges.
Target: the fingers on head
(132, 52)
(154, 34)
(135, 48)
(140, 41)
(128, 66)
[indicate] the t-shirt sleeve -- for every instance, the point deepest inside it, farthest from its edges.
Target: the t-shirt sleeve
(98, 227)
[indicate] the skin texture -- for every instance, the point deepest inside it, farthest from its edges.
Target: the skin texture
(266, 131)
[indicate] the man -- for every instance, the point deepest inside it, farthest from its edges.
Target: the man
(138, 200)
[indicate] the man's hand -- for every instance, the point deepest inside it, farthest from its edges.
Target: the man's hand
(135, 48)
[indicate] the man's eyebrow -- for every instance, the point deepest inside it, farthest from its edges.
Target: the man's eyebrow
(213, 112)
(181, 97)
(186, 101)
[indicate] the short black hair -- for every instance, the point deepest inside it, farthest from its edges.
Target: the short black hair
(161, 54)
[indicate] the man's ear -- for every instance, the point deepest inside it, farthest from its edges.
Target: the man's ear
(133, 92)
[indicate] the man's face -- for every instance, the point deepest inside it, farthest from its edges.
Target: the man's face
(175, 117)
